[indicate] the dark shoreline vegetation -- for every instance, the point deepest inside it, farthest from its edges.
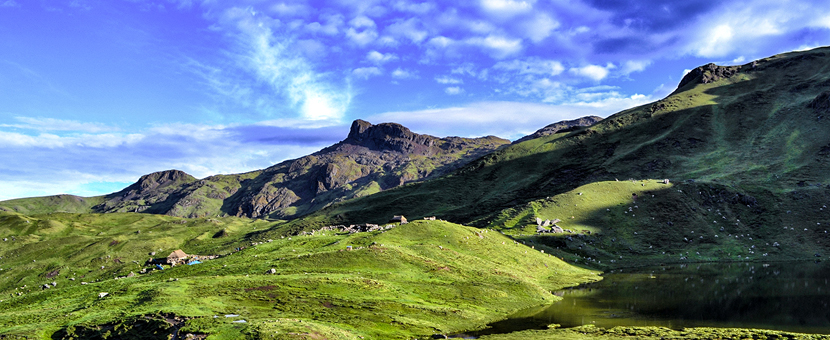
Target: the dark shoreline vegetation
(729, 168)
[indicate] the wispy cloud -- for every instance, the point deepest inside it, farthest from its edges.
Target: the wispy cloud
(201, 150)
(54, 124)
(400, 73)
(366, 72)
(453, 90)
(504, 119)
(266, 52)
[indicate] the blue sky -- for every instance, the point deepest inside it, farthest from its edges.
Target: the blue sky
(95, 93)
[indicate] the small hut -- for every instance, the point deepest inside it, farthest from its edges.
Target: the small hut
(399, 218)
(176, 257)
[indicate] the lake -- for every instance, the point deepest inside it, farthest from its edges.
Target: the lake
(792, 296)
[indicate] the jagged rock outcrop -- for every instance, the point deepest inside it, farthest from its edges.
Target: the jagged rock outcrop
(708, 73)
(562, 126)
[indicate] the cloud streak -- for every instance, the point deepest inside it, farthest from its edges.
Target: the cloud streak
(75, 161)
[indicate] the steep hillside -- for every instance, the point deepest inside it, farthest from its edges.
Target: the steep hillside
(757, 130)
(371, 159)
(563, 126)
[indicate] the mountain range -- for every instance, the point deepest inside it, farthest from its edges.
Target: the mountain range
(371, 159)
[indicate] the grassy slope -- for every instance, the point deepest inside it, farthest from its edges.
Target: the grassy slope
(682, 222)
(413, 280)
(750, 135)
(47, 204)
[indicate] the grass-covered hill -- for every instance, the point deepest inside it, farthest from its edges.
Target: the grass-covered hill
(759, 132)
(372, 158)
(404, 281)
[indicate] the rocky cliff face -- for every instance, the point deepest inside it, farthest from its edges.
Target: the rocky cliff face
(372, 158)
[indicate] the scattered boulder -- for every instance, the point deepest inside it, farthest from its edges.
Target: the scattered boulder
(102, 294)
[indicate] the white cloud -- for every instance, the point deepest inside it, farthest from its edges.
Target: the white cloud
(362, 38)
(631, 66)
(454, 90)
(273, 61)
(448, 80)
(718, 43)
(332, 25)
(594, 72)
(366, 72)
(70, 164)
(400, 73)
(10, 3)
(362, 22)
(284, 9)
(408, 29)
(539, 27)
(497, 46)
(417, 8)
(53, 124)
(504, 119)
(506, 8)
(380, 58)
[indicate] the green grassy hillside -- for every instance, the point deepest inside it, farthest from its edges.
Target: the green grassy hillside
(757, 130)
(408, 281)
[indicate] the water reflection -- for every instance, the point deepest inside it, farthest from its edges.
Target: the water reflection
(783, 296)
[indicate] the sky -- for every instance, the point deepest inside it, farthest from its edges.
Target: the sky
(96, 93)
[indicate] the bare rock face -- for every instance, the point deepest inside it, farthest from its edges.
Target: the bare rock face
(390, 136)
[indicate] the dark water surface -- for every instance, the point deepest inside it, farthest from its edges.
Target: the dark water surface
(782, 296)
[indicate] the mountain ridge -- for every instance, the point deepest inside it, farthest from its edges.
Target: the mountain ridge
(373, 157)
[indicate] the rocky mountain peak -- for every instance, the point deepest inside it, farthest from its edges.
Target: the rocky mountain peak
(161, 179)
(389, 136)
